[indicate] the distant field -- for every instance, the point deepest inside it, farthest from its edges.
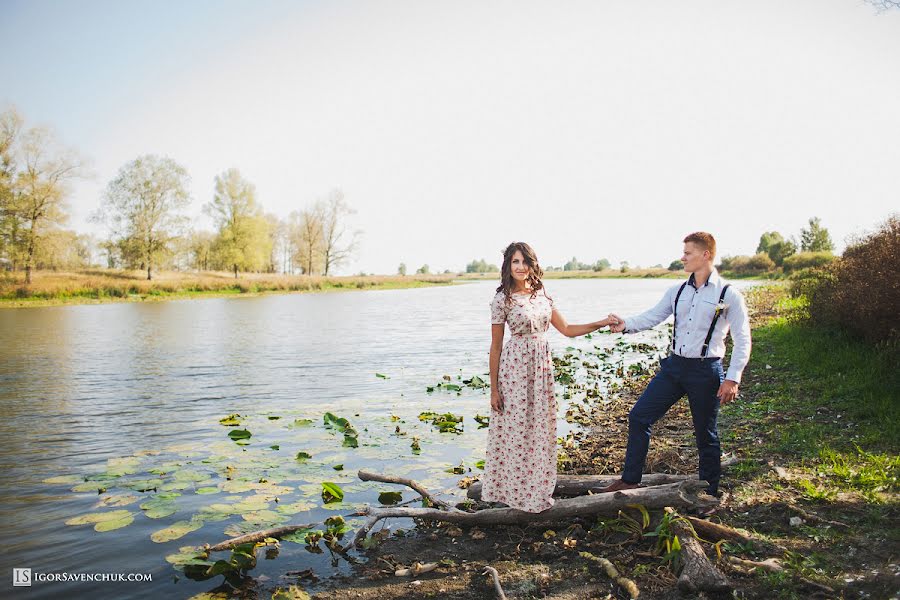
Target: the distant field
(109, 285)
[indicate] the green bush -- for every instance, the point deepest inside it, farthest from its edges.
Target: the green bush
(860, 291)
(748, 265)
(807, 260)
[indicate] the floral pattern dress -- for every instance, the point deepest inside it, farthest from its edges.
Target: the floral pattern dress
(520, 469)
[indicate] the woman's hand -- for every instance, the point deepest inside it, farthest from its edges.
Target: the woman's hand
(496, 400)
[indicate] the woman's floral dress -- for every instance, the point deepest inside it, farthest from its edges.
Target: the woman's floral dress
(520, 469)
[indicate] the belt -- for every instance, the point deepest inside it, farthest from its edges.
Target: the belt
(707, 359)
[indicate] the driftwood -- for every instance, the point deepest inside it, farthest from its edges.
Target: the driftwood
(257, 536)
(770, 564)
(682, 494)
(369, 476)
(489, 570)
(713, 532)
(613, 573)
(698, 574)
(568, 486)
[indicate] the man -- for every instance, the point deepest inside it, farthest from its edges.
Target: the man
(705, 309)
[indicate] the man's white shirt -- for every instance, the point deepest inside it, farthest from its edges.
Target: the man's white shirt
(696, 309)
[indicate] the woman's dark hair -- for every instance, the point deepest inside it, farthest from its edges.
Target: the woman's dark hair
(535, 272)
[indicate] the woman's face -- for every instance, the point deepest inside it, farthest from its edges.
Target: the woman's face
(519, 267)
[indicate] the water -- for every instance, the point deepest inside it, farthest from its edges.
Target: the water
(83, 384)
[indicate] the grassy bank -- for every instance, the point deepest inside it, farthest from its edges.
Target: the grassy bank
(814, 483)
(102, 285)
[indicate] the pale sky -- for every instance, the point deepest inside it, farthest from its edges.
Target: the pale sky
(594, 129)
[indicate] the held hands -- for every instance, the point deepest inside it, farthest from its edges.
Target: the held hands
(496, 400)
(727, 391)
(616, 323)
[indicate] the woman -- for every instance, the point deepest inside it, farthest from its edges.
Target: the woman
(520, 470)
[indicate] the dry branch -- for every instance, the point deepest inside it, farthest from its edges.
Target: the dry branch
(713, 532)
(578, 485)
(683, 494)
(370, 476)
(613, 573)
(489, 570)
(257, 536)
(698, 574)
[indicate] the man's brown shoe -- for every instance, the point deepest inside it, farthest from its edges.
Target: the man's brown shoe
(618, 486)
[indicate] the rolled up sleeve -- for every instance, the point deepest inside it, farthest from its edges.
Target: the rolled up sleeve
(654, 316)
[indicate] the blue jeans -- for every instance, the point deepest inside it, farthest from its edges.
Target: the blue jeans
(700, 380)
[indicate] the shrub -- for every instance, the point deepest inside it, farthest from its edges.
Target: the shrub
(807, 260)
(860, 291)
(748, 265)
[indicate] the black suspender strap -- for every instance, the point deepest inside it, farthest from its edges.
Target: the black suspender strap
(675, 312)
(714, 321)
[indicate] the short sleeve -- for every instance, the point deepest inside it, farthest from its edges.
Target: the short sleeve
(498, 309)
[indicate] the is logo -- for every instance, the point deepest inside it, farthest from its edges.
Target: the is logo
(21, 577)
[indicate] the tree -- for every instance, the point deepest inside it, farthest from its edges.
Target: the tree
(816, 238)
(200, 248)
(336, 248)
(306, 234)
(481, 266)
(601, 265)
(41, 188)
(142, 206)
(423, 270)
(401, 270)
(778, 248)
(676, 265)
(243, 242)
(624, 266)
(10, 223)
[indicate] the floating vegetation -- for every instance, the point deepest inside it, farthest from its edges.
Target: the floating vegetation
(389, 498)
(231, 420)
(331, 492)
(482, 421)
(381, 376)
(446, 422)
(106, 521)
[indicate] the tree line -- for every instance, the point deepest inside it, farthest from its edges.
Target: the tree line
(775, 252)
(143, 208)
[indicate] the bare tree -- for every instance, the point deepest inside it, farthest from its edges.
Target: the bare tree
(142, 205)
(337, 243)
(307, 232)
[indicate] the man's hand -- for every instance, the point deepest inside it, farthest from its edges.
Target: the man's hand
(496, 400)
(616, 323)
(727, 391)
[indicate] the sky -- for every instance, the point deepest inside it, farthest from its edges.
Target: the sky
(588, 129)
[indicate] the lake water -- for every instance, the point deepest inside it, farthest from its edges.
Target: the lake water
(82, 387)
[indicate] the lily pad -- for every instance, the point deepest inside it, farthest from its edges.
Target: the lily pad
(303, 456)
(294, 507)
(389, 498)
(239, 434)
(231, 420)
(176, 530)
(157, 508)
(118, 500)
(208, 490)
(64, 480)
(105, 521)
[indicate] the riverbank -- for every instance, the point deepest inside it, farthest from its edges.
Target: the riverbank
(814, 481)
(98, 286)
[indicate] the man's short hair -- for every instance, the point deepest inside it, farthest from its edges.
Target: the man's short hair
(704, 240)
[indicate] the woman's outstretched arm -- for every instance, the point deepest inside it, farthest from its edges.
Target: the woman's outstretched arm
(559, 321)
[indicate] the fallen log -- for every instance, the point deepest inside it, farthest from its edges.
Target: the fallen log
(568, 486)
(713, 532)
(684, 494)
(426, 495)
(770, 564)
(699, 573)
(257, 536)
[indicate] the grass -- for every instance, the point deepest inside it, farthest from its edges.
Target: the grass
(823, 405)
(103, 285)
(827, 399)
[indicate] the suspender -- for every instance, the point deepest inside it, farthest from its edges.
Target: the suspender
(714, 321)
(712, 325)
(675, 312)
